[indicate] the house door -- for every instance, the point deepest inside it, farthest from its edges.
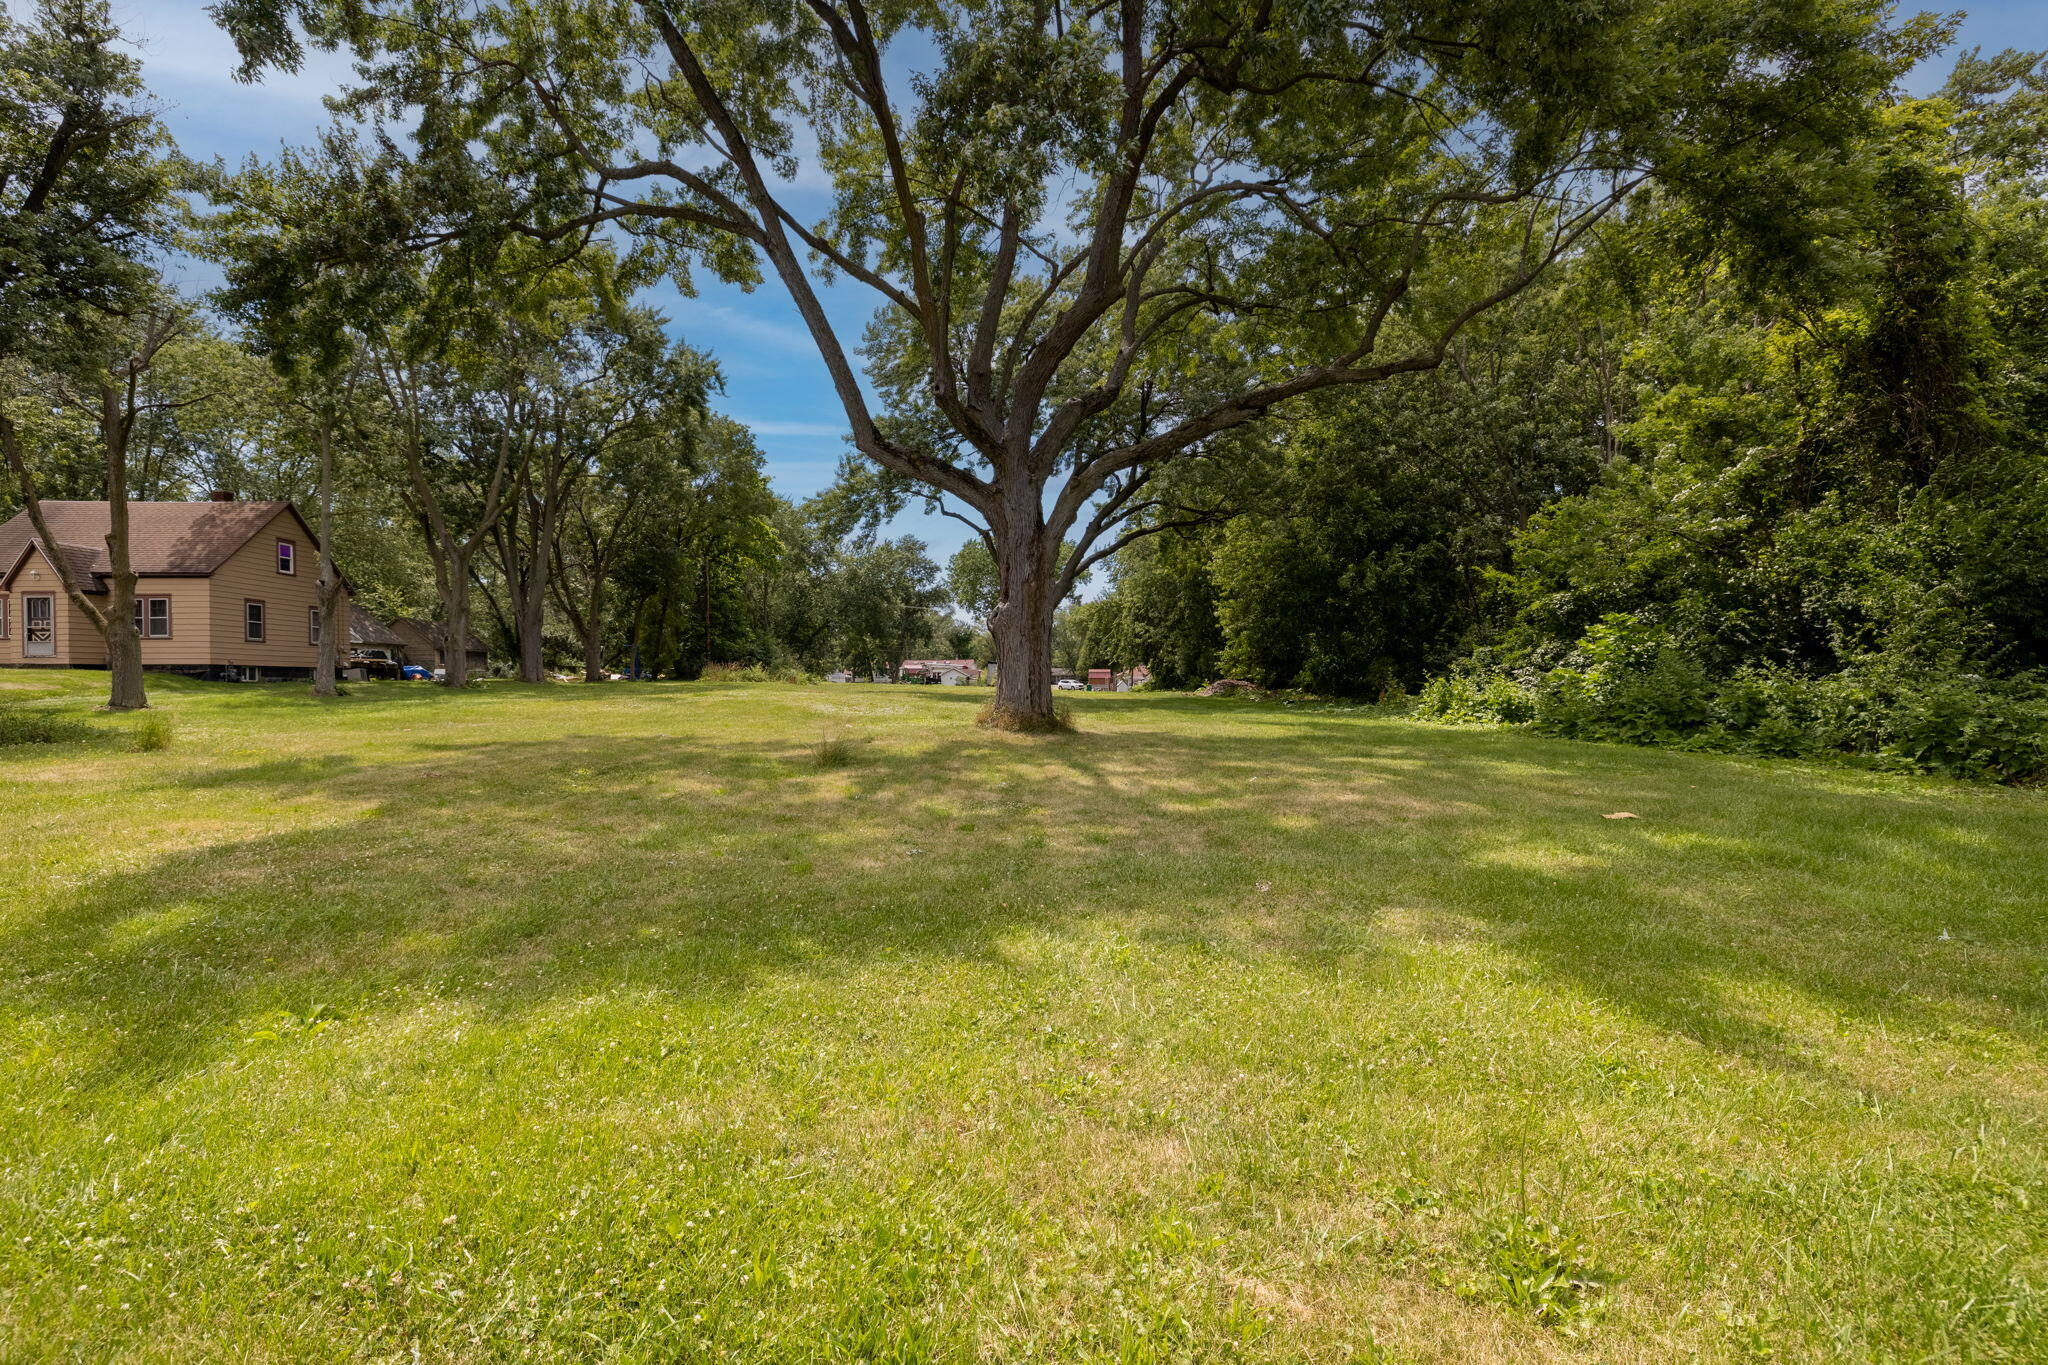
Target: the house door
(39, 627)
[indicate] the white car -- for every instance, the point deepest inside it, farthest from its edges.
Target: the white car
(1071, 685)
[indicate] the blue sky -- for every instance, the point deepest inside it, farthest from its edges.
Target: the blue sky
(774, 381)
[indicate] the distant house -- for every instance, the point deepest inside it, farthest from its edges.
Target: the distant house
(950, 672)
(224, 589)
(368, 635)
(426, 643)
(1112, 680)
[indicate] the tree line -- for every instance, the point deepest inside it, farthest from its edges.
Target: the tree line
(1677, 494)
(521, 452)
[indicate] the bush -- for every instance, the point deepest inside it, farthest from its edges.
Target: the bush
(151, 733)
(25, 725)
(833, 751)
(1905, 720)
(1466, 698)
(754, 673)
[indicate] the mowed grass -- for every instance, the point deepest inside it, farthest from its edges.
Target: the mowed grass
(683, 1022)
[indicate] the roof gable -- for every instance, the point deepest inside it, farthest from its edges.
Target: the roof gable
(165, 539)
(77, 556)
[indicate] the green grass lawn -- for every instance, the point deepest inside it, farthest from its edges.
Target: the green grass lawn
(609, 1023)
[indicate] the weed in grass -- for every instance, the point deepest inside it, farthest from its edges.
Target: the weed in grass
(832, 751)
(153, 732)
(286, 1024)
(1534, 1265)
(23, 725)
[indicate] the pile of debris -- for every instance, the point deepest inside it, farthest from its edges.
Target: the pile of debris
(1234, 687)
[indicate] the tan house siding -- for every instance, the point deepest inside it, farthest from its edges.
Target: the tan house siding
(183, 545)
(191, 622)
(78, 644)
(417, 649)
(250, 574)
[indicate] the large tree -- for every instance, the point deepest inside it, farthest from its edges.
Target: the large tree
(85, 197)
(1098, 238)
(304, 244)
(605, 386)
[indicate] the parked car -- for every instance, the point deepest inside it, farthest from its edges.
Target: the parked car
(1071, 685)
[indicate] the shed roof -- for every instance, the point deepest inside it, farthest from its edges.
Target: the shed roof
(365, 629)
(437, 633)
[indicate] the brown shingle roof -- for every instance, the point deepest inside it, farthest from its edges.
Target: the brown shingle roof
(365, 629)
(164, 538)
(437, 633)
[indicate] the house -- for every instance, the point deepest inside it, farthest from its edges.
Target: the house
(426, 643)
(950, 672)
(224, 589)
(1117, 680)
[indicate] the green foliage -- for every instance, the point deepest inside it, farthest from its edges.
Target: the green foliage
(21, 724)
(1539, 1268)
(833, 751)
(1165, 598)
(971, 579)
(1628, 688)
(152, 732)
(1363, 565)
(754, 673)
(86, 183)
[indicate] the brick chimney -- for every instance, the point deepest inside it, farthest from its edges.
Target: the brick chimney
(220, 495)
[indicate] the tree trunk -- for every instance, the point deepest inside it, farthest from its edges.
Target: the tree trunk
(124, 645)
(704, 591)
(593, 635)
(455, 621)
(1022, 627)
(529, 618)
(333, 611)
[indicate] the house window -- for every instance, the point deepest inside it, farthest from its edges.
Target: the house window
(153, 618)
(312, 625)
(252, 621)
(287, 554)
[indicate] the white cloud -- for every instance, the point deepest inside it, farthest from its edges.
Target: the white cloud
(775, 427)
(717, 317)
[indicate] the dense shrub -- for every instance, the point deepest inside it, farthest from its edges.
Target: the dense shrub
(27, 725)
(754, 673)
(154, 731)
(1907, 720)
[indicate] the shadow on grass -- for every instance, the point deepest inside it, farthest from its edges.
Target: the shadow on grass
(506, 874)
